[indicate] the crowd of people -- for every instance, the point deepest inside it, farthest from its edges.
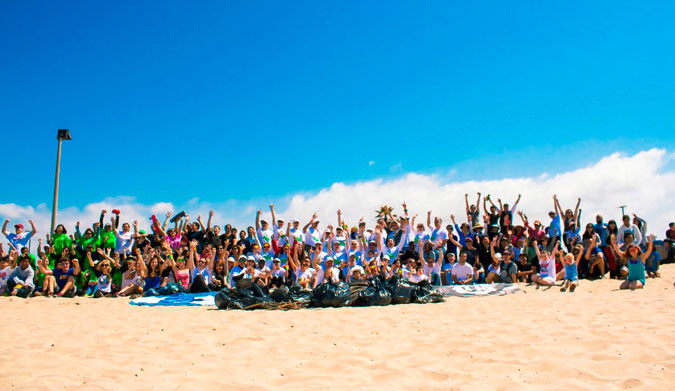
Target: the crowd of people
(499, 245)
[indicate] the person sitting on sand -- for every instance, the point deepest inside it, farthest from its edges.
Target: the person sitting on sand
(59, 281)
(547, 272)
(505, 271)
(636, 264)
(462, 272)
(20, 281)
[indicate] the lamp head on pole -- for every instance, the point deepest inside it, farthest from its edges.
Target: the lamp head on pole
(64, 134)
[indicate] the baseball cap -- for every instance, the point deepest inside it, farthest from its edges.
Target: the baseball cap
(250, 258)
(498, 256)
(18, 226)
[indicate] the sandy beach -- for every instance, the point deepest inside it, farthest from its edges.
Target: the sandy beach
(597, 338)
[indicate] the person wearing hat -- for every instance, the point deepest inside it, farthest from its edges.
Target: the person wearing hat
(327, 272)
(338, 253)
(239, 268)
(279, 233)
(535, 233)
(635, 259)
(438, 236)
(294, 233)
(356, 273)
(463, 231)
(340, 237)
(262, 231)
(19, 239)
(312, 233)
(267, 254)
(277, 274)
(502, 269)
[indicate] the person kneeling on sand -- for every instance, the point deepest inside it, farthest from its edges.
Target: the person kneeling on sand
(636, 264)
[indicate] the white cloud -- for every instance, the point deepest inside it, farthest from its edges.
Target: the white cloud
(640, 181)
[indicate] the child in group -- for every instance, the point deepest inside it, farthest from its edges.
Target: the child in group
(132, 280)
(571, 268)
(547, 272)
(636, 264)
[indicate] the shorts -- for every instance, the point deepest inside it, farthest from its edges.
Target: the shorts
(549, 279)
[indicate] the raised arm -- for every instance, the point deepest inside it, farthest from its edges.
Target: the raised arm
(650, 248)
(304, 229)
(191, 257)
(4, 227)
(208, 223)
(591, 246)
(166, 221)
(466, 203)
(117, 234)
(257, 220)
(33, 227)
(429, 220)
(484, 206)
(576, 211)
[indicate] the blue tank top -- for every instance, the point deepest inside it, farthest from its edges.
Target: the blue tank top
(636, 270)
(151, 282)
(571, 272)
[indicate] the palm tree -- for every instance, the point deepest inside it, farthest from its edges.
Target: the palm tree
(384, 212)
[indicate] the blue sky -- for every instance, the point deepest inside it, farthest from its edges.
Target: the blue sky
(168, 101)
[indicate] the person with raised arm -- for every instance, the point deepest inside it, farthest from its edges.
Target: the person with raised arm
(464, 231)
(438, 236)
(19, 239)
(502, 269)
(472, 211)
(571, 269)
(534, 233)
(636, 263)
(59, 281)
(262, 228)
(547, 273)
(279, 233)
(506, 214)
(203, 270)
(312, 235)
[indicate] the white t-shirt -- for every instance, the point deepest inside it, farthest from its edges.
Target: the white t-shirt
(280, 236)
(204, 272)
(265, 236)
(428, 270)
(124, 241)
(308, 274)
(320, 275)
(438, 235)
(417, 278)
(462, 272)
(312, 236)
(4, 276)
(297, 236)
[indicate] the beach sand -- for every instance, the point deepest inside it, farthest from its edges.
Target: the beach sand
(597, 338)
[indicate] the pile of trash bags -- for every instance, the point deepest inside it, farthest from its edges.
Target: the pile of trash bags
(248, 295)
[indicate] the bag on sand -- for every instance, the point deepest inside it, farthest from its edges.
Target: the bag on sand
(402, 292)
(375, 294)
(426, 293)
(330, 294)
(301, 295)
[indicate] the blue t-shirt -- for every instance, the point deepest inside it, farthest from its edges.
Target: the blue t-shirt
(62, 277)
(601, 230)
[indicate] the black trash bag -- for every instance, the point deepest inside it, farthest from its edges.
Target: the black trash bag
(330, 294)
(375, 294)
(402, 292)
(240, 298)
(224, 299)
(355, 289)
(300, 295)
(280, 294)
(426, 293)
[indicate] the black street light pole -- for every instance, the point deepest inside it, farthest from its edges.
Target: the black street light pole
(64, 134)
